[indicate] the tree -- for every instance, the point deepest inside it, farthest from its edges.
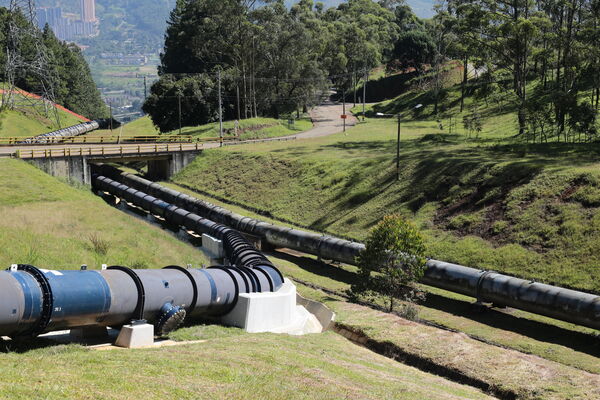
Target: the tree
(508, 30)
(194, 95)
(414, 49)
(392, 262)
(72, 80)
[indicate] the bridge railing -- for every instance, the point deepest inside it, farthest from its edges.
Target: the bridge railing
(13, 141)
(107, 150)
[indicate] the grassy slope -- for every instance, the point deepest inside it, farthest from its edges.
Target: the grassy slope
(527, 376)
(254, 128)
(230, 364)
(50, 224)
(531, 211)
(17, 124)
(554, 340)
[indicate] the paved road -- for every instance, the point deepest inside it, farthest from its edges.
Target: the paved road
(326, 118)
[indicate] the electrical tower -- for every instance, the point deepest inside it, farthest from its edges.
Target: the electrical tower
(27, 58)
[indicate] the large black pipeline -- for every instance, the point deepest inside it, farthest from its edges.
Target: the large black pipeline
(239, 251)
(34, 301)
(486, 286)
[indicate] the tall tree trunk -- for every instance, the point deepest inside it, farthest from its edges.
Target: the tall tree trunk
(464, 82)
(245, 91)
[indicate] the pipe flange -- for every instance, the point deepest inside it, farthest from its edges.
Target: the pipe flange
(47, 300)
(172, 316)
(480, 281)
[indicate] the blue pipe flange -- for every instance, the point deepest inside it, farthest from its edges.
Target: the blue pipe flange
(170, 318)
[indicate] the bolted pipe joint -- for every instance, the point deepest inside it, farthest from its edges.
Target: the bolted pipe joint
(170, 318)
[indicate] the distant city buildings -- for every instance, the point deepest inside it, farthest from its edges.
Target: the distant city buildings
(88, 10)
(69, 29)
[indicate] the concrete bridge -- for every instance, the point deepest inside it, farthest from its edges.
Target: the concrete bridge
(72, 157)
(74, 161)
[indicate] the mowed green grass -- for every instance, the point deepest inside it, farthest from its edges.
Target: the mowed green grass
(527, 210)
(229, 365)
(50, 224)
(18, 124)
(253, 128)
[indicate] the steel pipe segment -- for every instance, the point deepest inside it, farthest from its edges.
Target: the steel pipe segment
(258, 270)
(34, 301)
(71, 131)
(487, 286)
(323, 246)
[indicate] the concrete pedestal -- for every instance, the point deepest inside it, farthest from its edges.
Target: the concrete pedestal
(213, 249)
(275, 312)
(136, 335)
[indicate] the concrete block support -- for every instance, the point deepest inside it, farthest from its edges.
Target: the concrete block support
(213, 249)
(275, 312)
(136, 335)
(75, 169)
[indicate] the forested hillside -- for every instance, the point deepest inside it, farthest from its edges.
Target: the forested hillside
(73, 83)
(272, 60)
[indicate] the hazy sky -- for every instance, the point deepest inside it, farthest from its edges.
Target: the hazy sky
(423, 8)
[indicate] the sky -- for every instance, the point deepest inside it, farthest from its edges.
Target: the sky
(423, 8)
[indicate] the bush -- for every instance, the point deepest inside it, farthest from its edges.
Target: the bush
(99, 245)
(392, 262)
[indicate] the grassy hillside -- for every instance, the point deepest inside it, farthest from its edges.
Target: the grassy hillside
(21, 124)
(531, 211)
(254, 128)
(230, 364)
(50, 224)
(554, 340)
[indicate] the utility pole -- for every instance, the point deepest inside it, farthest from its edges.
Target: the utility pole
(365, 94)
(34, 63)
(344, 108)
(220, 110)
(398, 150)
(179, 107)
(111, 117)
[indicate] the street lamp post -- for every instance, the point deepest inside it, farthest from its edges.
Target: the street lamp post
(399, 116)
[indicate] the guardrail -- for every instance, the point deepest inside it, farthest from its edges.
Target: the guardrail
(13, 141)
(106, 150)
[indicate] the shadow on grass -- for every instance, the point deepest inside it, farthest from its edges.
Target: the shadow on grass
(548, 333)
(540, 331)
(317, 267)
(24, 345)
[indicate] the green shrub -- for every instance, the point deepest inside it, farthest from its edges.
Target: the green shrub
(392, 262)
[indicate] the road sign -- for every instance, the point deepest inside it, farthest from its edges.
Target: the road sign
(344, 116)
